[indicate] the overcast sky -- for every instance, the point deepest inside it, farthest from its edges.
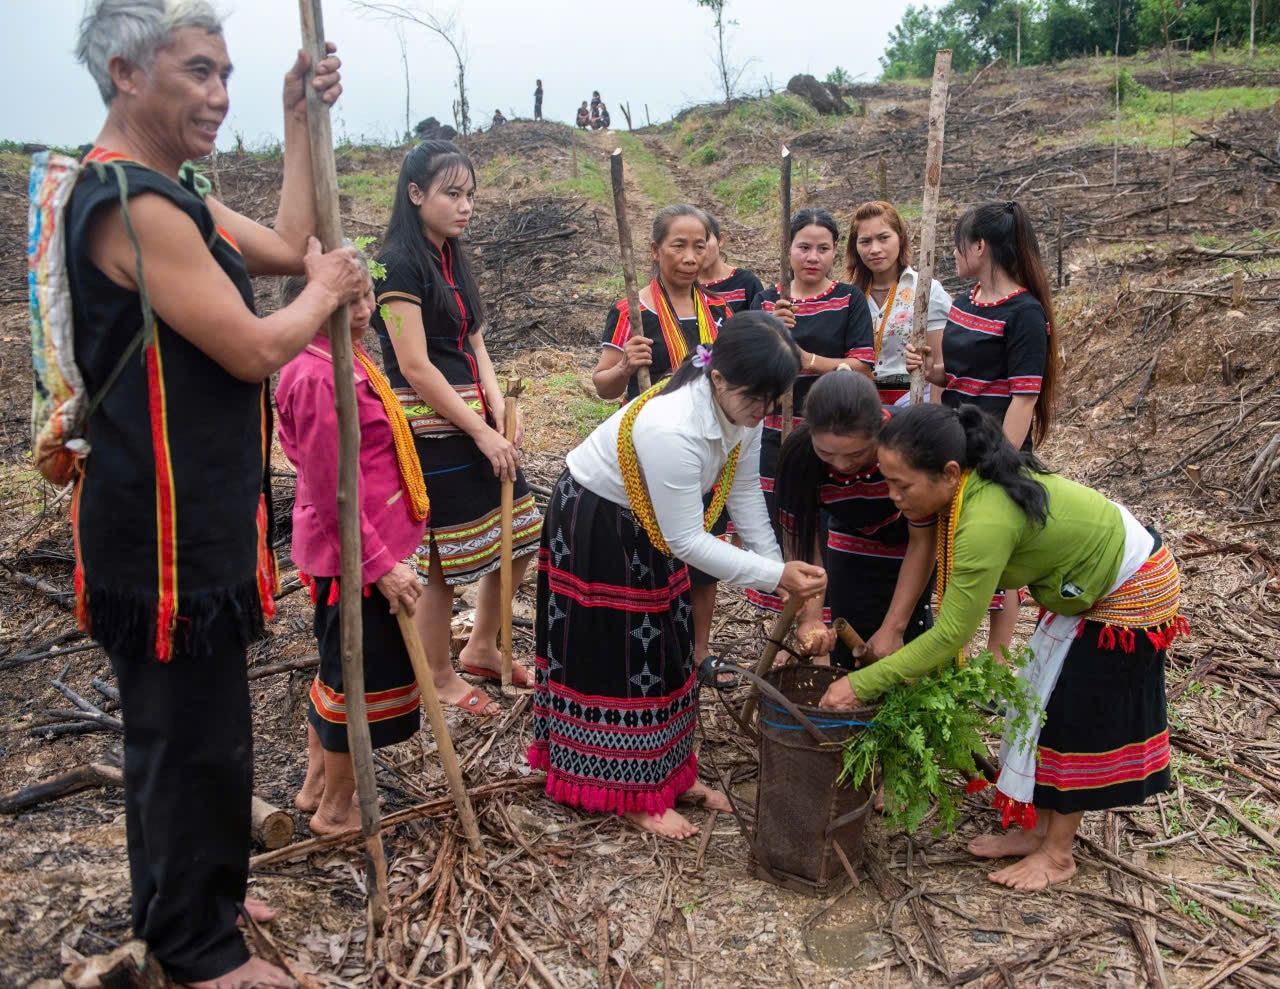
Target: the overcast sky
(658, 52)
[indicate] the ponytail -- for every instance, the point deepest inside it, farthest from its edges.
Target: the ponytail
(1006, 229)
(929, 437)
(796, 494)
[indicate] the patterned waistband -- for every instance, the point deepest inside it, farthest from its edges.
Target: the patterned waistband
(1147, 601)
(426, 421)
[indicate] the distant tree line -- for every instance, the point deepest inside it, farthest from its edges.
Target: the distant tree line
(1034, 31)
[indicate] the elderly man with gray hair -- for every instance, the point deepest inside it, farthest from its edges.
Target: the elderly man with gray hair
(175, 571)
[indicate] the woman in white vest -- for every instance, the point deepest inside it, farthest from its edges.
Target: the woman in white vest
(878, 261)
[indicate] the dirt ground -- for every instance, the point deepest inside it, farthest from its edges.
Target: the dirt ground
(1168, 404)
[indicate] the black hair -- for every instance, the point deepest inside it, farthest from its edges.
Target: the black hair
(842, 402)
(1006, 229)
(754, 352)
(929, 437)
(422, 166)
(713, 225)
(815, 216)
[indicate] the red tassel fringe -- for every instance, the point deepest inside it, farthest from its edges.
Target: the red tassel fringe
(1160, 636)
(977, 784)
(334, 593)
(606, 800)
(1014, 812)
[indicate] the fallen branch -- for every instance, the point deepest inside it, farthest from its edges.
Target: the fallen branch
(82, 778)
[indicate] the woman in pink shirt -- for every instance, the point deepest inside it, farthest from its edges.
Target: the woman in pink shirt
(393, 513)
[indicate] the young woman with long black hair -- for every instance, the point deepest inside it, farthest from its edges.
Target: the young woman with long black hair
(834, 508)
(738, 288)
(1110, 594)
(676, 315)
(878, 261)
(830, 324)
(996, 351)
(615, 703)
(435, 358)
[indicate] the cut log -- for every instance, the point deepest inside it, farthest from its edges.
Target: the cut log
(272, 827)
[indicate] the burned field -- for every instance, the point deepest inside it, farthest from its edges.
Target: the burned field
(1167, 264)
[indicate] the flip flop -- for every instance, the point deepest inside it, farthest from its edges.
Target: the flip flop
(711, 671)
(520, 675)
(474, 701)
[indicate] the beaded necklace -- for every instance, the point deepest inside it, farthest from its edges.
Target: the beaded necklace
(885, 313)
(947, 544)
(415, 488)
(638, 494)
(672, 335)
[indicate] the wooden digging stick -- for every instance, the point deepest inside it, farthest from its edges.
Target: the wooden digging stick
(628, 258)
(929, 213)
(506, 588)
(850, 638)
(781, 626)
(329, 228)
(439, 728)
(784, 268)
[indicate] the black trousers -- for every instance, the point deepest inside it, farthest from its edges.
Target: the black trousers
(188, 781)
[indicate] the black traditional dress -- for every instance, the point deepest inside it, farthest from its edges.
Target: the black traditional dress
(738, 290)
(835, 323)
(466, 518)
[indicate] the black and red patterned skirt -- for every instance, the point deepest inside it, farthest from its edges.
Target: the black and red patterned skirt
(390, 687)
(1105, 740)
(615, 699)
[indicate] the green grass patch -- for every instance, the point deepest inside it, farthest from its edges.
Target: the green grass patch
(750, 191)
(649, 171)
(377, 190)
(779, 108)
(493, 169)
(1144, 117)
(590, 184)
(611, 287)
(706, 155)
(584, 412)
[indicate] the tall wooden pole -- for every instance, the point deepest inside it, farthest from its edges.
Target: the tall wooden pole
(784, 264)
(329, 229)
(929, 212)
(506, 590)
(628, 258)
(439, 728)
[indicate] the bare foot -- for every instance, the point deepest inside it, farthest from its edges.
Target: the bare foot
(1038, 870)
(253, 974)
(324, 821)
(259, 911)
(1007, 844)
(665, 825)
(704, 796)
(878, 806)
(312, 793)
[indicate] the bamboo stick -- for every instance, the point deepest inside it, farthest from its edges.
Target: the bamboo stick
(628, 258)
(929, 212)
(329, 229)
(506, 588)
(781, 626)
(439, 728)
(784, 266)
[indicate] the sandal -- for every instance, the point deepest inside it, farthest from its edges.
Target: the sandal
(717, 674)
(520, 675)
(474, 701)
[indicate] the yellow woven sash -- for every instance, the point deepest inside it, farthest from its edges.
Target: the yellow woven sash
(415, 488)
(638, 494)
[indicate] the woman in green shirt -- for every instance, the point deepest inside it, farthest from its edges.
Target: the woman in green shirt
(1109, 591)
